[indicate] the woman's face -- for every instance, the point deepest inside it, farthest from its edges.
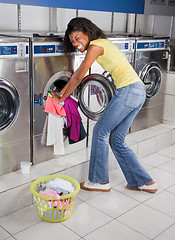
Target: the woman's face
(79, 40)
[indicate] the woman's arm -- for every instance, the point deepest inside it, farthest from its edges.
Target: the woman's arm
(92, 53)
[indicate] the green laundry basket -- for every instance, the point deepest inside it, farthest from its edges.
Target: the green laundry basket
(45, 204)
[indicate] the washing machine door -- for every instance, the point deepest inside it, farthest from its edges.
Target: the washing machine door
(94, 94)
(59, 77)
(9, 104)
(151, 75)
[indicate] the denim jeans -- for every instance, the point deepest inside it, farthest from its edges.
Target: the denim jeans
(112, 128)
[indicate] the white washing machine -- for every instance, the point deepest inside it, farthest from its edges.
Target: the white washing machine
(14, 103)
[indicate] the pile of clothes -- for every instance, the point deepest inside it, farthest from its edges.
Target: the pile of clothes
(63, 120)
(56, 207)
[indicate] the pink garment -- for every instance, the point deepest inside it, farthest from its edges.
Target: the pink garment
(61, 203)
(52, 106)
(52, 193)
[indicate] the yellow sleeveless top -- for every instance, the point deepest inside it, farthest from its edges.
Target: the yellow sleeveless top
(115, 62)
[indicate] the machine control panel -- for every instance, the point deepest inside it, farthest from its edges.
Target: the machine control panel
(124, 46)
(12, 50)
(44, 49)
(8, 50)
(48, 49)
(152, 45)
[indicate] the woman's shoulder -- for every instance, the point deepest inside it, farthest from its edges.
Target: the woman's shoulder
(99, 41)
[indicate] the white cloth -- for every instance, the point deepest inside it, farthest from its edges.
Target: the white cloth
(55, 125)
(60, 183)
(44, 133)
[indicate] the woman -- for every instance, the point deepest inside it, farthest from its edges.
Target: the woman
(113, 125)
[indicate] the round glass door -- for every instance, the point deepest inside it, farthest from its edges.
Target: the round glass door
(9, 104)
(151, 76)
(59, 80)
(95, 93)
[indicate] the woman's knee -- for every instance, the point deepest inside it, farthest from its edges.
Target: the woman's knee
(116, 142)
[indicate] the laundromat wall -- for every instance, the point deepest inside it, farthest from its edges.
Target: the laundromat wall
(18, 18)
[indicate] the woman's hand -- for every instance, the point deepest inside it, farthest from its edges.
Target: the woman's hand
(55, 96)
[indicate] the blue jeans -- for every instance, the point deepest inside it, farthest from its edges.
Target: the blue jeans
(112, 128)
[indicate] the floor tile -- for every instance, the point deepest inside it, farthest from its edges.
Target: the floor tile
(147, 221)
(86, 152)
(168, 234)
(163, 178)
(168, 166)
(161, 128)
(3, 234)
(116, 177)
(130, 141)
(146, 147)
(3, 186)
(86, 219)
(142, 135)
(20, 220)
(147, 166)
(70, 160)
(85, 195)
(140, 196)
(42, 169)
(12, 180)
(163, 202)
(15, 199)
(115, 230)
(169, 151)
(163, 140)
(45, 231)
(112, 203)
(79, 172)
(155, 159)
(171, 189)
(77, 201)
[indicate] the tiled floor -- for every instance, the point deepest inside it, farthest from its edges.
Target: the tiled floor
(120, 214)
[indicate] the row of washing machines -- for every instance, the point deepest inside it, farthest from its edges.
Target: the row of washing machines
(30, 65)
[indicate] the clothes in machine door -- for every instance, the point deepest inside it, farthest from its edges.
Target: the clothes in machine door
(59, 116)
(75, 131)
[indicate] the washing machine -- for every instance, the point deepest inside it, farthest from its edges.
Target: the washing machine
(49, 65)
(14, 103)
(151, 59)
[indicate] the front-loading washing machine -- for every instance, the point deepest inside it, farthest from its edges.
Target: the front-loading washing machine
(151, 59)
(49, 65)
(14, 103)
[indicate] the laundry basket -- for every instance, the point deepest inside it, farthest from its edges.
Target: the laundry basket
(46, 204)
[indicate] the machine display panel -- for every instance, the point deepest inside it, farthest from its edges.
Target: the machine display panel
(8, 50)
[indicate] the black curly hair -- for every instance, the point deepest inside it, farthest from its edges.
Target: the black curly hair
(84, 25)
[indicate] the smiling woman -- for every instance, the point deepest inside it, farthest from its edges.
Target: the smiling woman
(79, 40)
(115, 121)
(82, 25)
